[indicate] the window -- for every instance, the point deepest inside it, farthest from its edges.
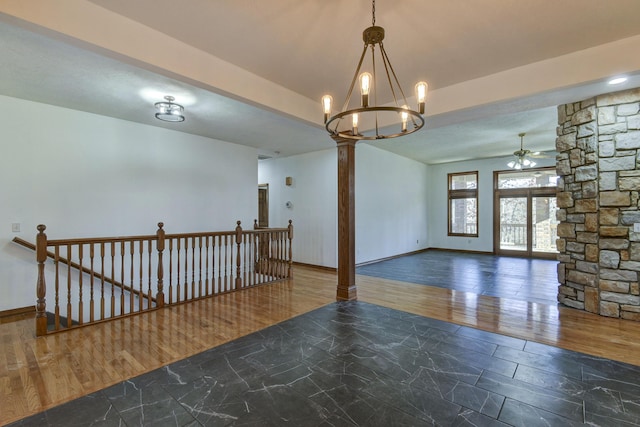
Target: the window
(463, 204)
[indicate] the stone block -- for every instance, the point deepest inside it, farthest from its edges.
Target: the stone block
(584, 116)
(585, 205)
(633, 123)
(561, 268)
(619, 275)
(563, 167)
(609, 259)
(616, 163)
(606, 116)
(588, 129)
(613, 286)
(566, 290)
(587, 267)
(586, 173)
(562, 116)
(566, 142)
(566, 230)
(589, 144)
(590, 158)
(634, 252)
(629, 315)
(609, 309)
(561, 245)
(628, 141)
(609, 216)
(629, 183)
(575, 285)
(608, 181)
(576, 218)
(575, 247)
(582, 278)
(611, 231)
(624, 255)
(627, 109)
(591, 222)
(619, 298)
(606, 149)
(630, 217)
(564, 199)
(615, 198)
(613, 129)
(561, 214)
(630, 265)
(580, 295)
(576, 158)
(586, 237)
(615, 98)
(634, 288)
(591, 300)
(571, 303)
(619, 244)
(591, 253)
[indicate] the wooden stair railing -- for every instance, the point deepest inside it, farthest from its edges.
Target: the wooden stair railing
(199, 265)
(85, 270)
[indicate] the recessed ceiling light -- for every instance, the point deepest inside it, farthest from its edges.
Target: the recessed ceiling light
(617, 80)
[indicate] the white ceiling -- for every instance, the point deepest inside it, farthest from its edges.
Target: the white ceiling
(252, 72)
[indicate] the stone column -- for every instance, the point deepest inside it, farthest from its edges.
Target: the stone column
(598, 164)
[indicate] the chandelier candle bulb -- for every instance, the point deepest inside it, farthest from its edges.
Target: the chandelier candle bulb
(327, 100)
(405, 116)
(365, 88)
(421, 95)
(354, 119)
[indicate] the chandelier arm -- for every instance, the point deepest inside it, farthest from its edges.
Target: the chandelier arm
(387, 62)
(375, 83)
(355, 77)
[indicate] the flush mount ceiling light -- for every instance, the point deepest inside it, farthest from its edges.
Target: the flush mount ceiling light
(169, 111)
(522, 159)
(369, 110)
(617, 80)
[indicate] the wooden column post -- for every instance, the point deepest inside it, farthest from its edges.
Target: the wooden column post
(160, 246)
(346, 220)
(238, 269)
(41, 286)
(290, 254)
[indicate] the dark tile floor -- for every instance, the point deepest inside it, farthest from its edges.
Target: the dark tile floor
(533, 280)
(354, 363)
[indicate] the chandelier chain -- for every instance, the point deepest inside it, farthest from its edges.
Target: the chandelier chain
(373, 13)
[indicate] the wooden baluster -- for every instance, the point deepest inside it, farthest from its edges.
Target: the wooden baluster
(160, 247)
(102, 280)
(290, 257)
(206, 284)
(81, 303)
(220, 289)
(186, 268)
(56, 261)
(178, 240)
(149, 274)
(122, 252)
(141, 278)
(238, 267)
(255, 224)
(280, 254)
(91, 300)
(132, 277)
(41, 286)
(245, 261)
(193, 267)
(113, 275)
(200, 266)
(170, 271)
(69, 307)
(226, 246)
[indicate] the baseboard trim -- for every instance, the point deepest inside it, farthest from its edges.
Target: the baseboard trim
(17, 311)
(316, 267)
(463, 251)
(391, 257)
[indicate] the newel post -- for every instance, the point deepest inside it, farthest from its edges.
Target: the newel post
(290, 260)
(160, 247)
(41, 286)
(238, 241)
(255, 224)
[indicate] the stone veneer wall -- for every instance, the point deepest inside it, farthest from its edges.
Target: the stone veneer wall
(598, 165)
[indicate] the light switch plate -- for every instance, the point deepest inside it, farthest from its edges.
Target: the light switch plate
(15, 227)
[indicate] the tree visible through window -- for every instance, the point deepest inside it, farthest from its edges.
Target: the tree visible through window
(463, 204)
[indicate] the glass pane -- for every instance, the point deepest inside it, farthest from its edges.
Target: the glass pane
(513, 223)
(463, 216)
(528, 179)
(545, 224)
(463, 182)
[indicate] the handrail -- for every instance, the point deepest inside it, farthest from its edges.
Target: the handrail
(86, 270)
(198, 265)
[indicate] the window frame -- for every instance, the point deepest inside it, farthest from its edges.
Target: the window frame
(456, 194)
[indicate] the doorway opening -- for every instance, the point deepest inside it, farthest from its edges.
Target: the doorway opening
(263, 205)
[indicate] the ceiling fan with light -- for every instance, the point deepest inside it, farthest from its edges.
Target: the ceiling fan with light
(523, 157)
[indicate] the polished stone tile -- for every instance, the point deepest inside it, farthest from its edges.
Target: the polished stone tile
(358, 364)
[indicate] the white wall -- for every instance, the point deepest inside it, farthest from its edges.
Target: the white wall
(313, 195)
(82, 174)
(438, 202)
(391, 198)
(391, 204)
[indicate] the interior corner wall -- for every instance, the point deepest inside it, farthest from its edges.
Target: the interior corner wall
(438, 198)
(313, 206)
(84, 175)
(391, 204)
(599, 204)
